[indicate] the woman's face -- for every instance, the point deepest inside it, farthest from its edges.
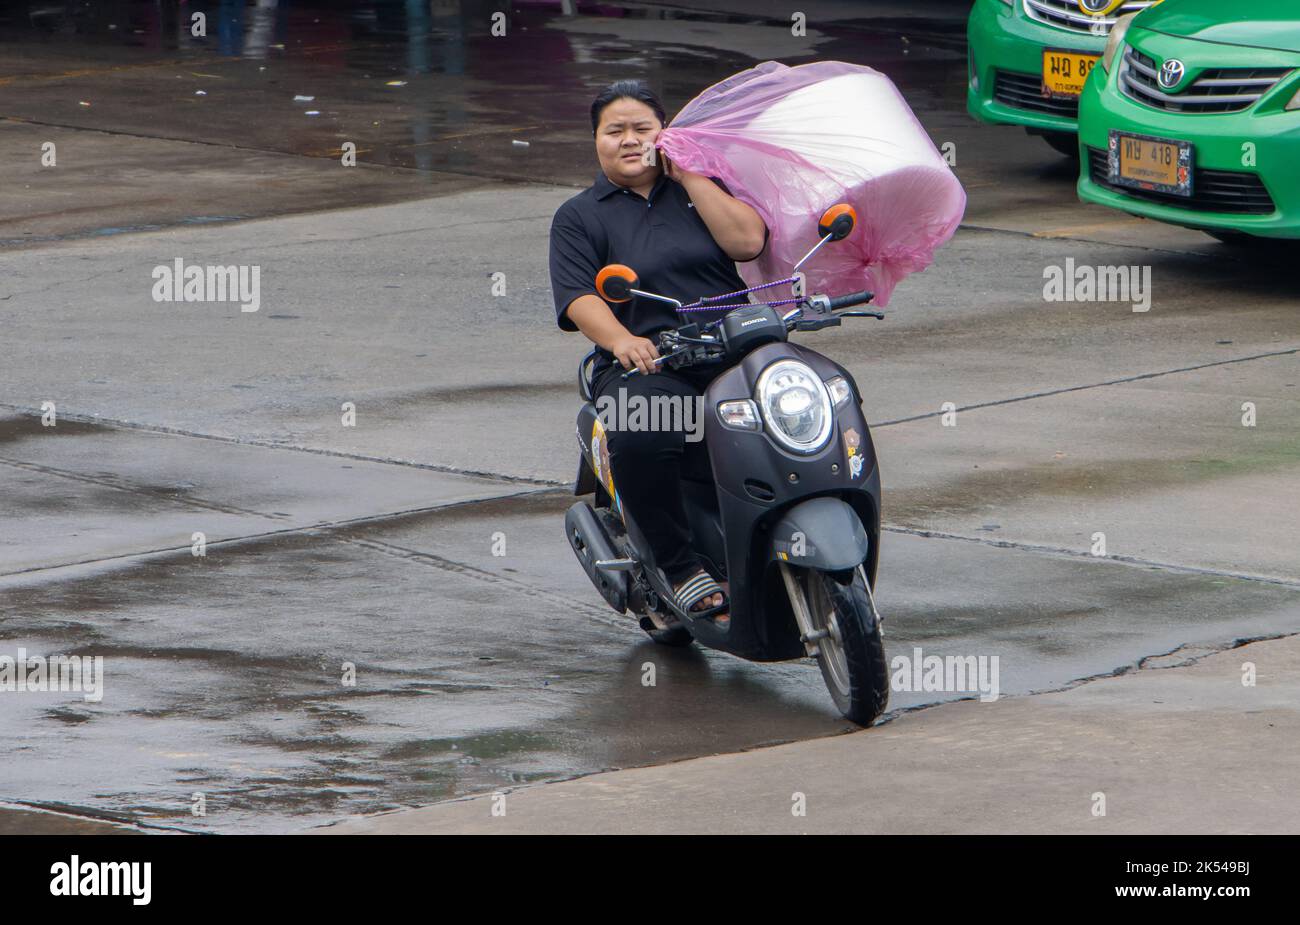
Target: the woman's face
(626, 127)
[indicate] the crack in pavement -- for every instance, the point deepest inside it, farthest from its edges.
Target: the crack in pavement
(1204, 650)
(885, 719)
(54, 285)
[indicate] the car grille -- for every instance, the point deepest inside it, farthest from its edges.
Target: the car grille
(1217, 90)
(1212, 190)
(1066, 14)
(1025, 91)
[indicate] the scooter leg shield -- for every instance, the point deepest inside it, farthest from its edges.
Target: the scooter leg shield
(591, 544)
(822, 533)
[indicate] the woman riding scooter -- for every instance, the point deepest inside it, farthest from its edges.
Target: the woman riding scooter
(684, 232)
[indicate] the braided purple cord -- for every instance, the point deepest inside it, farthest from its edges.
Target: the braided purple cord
(727, 295)
(713, 308)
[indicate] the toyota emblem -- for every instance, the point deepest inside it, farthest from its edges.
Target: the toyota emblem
(1171, 73)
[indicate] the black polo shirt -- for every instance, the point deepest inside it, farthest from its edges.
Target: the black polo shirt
(662, 238)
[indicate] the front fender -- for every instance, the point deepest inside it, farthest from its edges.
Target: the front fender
(822, 533)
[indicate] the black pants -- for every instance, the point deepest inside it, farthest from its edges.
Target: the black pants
(648, 457)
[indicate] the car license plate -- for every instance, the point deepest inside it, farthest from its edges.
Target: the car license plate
(1159, 164)
(1065, 71)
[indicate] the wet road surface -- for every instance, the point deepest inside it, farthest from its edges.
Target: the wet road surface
(162, 129)
(372, 546)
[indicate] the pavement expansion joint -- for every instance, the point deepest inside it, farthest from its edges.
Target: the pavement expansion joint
(1050, 393)
(266, 444)
(1037, 236)
(321, 529)
(105, 481)
(297, 155)
(1134, 561)
(85, 814)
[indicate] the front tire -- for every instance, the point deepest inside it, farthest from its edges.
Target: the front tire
(852, 654)
(1063, 143)
(1231, 238)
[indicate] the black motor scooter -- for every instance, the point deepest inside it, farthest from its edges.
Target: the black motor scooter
(789, 514)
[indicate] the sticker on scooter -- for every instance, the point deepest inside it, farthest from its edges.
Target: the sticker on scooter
(600, 461)
(852, 440)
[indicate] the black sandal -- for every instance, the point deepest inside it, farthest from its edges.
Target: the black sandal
(697, 588)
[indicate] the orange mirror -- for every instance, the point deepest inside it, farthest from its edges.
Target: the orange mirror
(837, 221)
(615, 282)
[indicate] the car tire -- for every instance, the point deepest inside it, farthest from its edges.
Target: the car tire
(1063, 143)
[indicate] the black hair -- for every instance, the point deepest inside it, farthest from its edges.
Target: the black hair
(629, 89)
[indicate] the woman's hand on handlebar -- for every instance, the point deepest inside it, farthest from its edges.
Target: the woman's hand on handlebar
(639, 352)
(595, 319)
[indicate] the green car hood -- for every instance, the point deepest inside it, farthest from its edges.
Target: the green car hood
(1254, 23)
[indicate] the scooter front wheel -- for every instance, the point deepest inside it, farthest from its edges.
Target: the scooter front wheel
(846, 632)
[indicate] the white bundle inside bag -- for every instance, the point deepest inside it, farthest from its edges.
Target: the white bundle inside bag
(792, 142)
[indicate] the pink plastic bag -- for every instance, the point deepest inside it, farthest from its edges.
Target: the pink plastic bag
(793, 141)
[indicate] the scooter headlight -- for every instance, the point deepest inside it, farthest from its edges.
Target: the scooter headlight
(795, 405)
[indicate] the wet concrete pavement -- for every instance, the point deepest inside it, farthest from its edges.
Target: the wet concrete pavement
(473, 671)
(1178, 748)
(372, 545)
(430, 103)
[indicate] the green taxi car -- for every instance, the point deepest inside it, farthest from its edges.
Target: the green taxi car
(1193, 117)
(1028, 60)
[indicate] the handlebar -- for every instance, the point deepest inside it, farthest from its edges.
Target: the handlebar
(853, 298)
(821, 307)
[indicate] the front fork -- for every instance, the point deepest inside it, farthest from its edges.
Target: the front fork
(809, 634)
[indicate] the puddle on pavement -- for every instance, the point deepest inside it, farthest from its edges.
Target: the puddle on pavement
(225, 675)
(29, 427)
(427, 92)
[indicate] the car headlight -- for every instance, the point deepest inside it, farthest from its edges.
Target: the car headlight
(795, 405)
(1116, 40)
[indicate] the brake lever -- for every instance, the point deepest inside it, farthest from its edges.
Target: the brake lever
(655, 362)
